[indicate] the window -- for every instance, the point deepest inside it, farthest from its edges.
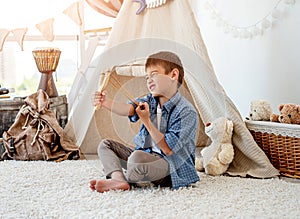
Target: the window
(18, 69)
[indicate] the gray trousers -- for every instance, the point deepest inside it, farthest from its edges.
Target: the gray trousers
(140, 166)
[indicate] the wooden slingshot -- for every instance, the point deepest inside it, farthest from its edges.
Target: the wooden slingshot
(107, 78)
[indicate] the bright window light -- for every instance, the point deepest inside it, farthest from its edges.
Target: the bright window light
(17, 68)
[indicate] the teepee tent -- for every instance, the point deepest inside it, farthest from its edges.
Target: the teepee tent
(170, 27)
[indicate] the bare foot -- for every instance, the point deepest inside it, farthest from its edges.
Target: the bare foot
(104, 185)
(92, 184)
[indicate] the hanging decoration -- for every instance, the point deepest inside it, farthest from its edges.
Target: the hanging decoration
(155, 3)
(18, 35)
(3, 34)
(73, 12)
(249, 31)
(142, 6)
(148, 4)
(108, 8)
(46, 28)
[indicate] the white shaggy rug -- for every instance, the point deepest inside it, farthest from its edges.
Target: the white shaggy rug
(61, 190)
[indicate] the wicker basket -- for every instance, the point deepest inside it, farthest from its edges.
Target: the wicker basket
(281, 143)
(46, 59)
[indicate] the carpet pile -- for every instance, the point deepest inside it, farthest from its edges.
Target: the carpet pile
(40, 189)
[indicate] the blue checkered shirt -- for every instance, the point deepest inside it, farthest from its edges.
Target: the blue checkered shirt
(178, 123)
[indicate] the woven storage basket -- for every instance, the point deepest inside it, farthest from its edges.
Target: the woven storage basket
(281, 143)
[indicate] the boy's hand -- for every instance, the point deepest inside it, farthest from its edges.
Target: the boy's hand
(99, 98)
(143, 112)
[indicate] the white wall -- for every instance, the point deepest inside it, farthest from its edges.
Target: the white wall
(263, 67)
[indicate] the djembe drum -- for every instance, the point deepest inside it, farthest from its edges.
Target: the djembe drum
(46, 60)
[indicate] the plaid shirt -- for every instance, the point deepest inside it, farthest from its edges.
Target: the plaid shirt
(178, 123)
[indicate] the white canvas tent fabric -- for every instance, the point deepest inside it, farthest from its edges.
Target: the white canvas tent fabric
(171, 27)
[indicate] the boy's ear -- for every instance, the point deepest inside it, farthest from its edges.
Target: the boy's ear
(175, 74)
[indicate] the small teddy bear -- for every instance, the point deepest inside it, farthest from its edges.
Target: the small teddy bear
(260, 110)
(219, 154)
(289, 113)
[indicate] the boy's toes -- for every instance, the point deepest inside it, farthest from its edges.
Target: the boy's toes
(92, 184)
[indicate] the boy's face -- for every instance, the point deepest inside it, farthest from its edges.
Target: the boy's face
(159, 82)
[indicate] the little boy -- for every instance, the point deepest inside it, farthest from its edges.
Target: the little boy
(165, 146)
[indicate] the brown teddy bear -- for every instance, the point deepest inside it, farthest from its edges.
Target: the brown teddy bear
(289, 113)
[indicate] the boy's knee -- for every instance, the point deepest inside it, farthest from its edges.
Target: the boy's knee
(103, 144)
(136, 169)
(137, 157)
